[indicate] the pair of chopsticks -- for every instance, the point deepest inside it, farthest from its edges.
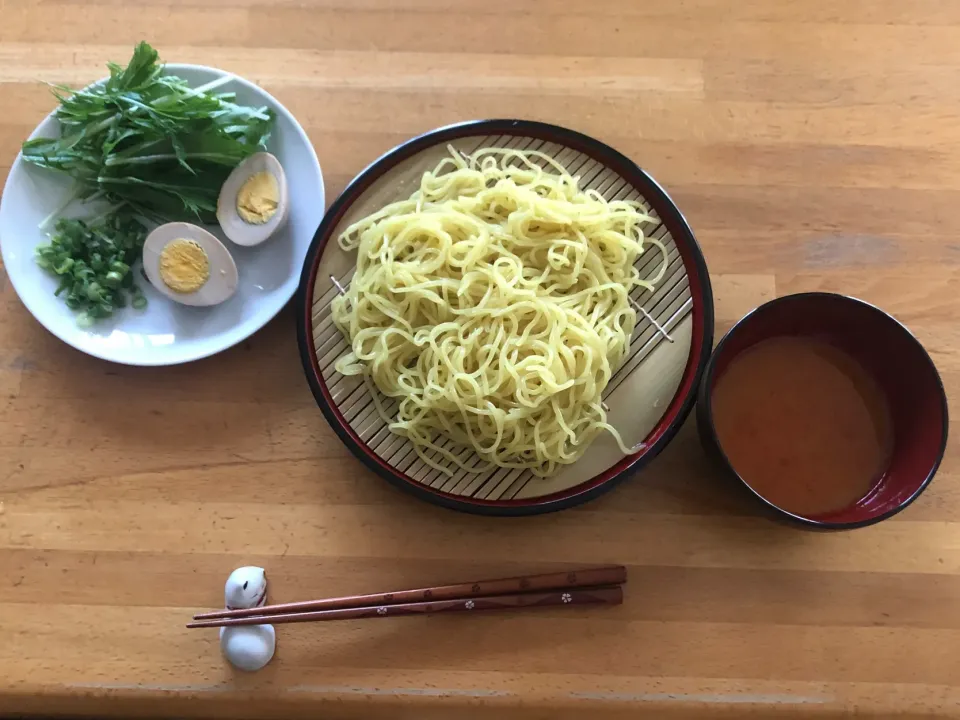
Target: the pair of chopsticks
(593, 586)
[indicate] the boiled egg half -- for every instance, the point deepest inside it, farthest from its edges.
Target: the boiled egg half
(188, 264)
(253, 202)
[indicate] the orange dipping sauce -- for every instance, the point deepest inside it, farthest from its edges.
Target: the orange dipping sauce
(803, 424)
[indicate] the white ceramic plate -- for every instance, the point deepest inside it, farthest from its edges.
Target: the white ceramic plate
(166, 333)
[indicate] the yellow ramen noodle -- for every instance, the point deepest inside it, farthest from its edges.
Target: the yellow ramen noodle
(493, 305)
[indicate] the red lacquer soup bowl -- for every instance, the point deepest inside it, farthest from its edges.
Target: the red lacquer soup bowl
(889, 354)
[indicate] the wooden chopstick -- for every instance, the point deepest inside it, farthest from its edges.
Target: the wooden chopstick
(609, 575)
(610, 595)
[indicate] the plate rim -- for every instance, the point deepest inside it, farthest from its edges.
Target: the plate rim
(681, 404)
(216, 348)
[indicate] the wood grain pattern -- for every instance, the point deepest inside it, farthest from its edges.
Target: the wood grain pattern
(812, 145)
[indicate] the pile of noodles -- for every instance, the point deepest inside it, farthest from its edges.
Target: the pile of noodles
(493, 306)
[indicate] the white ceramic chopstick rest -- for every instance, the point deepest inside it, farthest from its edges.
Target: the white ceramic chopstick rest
(247, 647)
(245, 588)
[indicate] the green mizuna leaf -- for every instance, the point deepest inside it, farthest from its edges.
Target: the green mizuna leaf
(150, 142)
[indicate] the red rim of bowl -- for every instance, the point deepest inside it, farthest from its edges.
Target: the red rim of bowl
(708, 434)
(700, 289)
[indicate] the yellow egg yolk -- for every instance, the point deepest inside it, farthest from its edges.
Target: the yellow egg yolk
(258, 198)
(184, 266)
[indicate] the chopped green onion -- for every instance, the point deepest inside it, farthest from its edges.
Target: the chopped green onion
(94, 263)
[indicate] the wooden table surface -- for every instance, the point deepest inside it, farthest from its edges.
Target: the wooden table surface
(813, 145)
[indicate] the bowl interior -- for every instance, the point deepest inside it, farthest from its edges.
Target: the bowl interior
(166, 332)
(895, 359)
(642, 396)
